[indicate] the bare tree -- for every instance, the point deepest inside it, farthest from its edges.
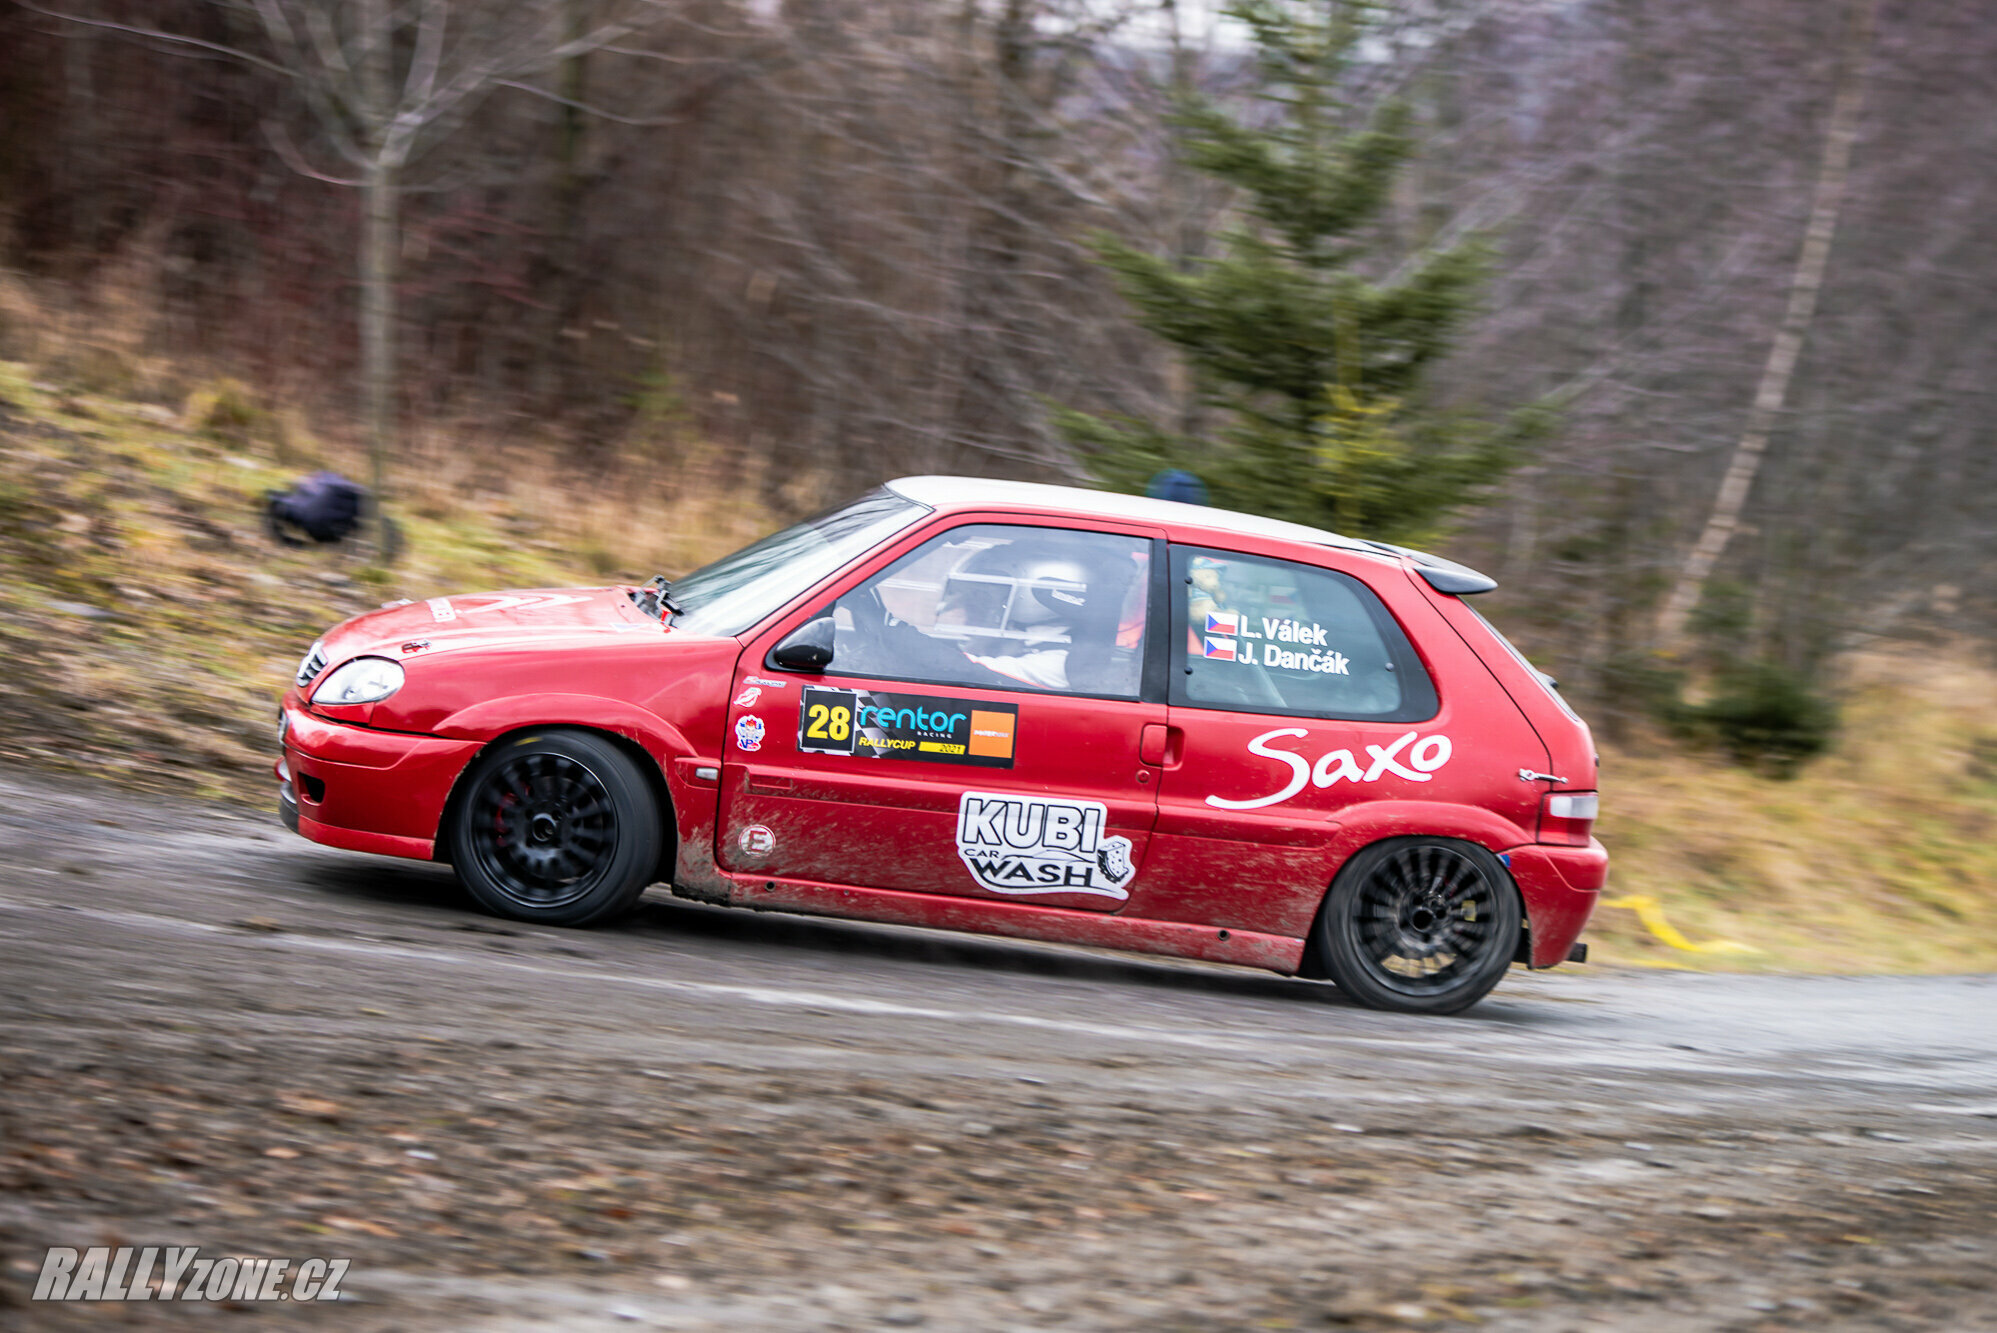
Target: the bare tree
(386, 84)
(1773, 391)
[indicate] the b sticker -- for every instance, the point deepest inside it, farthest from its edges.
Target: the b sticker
(1041, 844)
(907, 726)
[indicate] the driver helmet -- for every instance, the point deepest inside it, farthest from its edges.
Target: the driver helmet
(1013, 590)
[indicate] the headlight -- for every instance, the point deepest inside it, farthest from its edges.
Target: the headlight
(364, 680)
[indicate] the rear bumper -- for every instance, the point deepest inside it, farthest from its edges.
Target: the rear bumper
(366, 790)
(1560, 886)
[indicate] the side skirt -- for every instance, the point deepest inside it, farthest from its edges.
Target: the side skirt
(979, 916)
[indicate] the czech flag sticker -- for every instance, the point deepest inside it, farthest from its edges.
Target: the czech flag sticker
(1220, 648)
(1223, 622)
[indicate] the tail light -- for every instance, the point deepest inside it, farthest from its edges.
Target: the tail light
(1568, 817)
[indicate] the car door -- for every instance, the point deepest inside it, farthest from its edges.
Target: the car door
(1296, 696)
(977, 731)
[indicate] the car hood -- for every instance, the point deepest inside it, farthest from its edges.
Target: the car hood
(403, 630)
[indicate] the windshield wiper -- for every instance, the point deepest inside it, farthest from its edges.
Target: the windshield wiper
(655, 595)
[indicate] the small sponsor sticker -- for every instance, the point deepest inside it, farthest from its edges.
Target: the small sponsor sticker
(748, 697)
(442, 610)
(757, 840)
(1018, 844)
(749, 732)
(907, 726)
(183, 1273)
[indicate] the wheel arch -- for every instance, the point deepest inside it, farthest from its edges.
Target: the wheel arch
(648, 766)
(1312, 966)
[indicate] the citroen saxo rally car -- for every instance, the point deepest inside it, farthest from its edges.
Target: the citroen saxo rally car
(988, 706)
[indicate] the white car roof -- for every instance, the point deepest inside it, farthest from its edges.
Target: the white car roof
(940, 491)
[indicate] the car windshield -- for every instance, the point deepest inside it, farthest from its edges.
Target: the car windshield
(736, 591)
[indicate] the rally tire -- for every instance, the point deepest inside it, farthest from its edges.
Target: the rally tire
(1419, 925)
(555, 827)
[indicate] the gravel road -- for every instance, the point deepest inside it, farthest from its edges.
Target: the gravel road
(214, 1033)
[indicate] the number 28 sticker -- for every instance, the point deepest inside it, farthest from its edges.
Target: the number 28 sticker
(930, 727)
(829, 723)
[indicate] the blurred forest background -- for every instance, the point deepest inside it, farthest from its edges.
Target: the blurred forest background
(811, 244)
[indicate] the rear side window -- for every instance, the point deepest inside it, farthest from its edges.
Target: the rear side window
(1256, 635)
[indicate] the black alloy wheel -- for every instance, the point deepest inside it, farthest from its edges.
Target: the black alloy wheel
(557, 827)
(1420, 925)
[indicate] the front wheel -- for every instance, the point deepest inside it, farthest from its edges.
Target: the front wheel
(1419, 925)
(557, 827)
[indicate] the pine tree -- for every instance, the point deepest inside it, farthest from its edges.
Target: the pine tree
(1316, 369)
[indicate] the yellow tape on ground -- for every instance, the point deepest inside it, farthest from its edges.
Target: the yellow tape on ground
(1652, 916)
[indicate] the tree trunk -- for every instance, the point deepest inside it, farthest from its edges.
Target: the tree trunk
(378, 247)
(1788, 345)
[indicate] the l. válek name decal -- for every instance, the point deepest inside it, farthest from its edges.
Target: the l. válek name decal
(1312, 652)
(907, 726)
(1041, 844)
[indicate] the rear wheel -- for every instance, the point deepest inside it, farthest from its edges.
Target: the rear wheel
(1419, 925)
(557, 827)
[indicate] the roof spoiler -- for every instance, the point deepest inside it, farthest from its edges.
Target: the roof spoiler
(1442, 575)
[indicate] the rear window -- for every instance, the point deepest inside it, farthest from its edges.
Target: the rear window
(1257, 635)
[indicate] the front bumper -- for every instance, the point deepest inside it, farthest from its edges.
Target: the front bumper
(362, 789)
(1560, 886)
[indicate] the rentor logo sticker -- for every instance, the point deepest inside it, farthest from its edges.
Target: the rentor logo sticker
(876, 725)
(1041, 844)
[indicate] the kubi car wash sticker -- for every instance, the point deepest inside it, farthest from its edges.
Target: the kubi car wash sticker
(907, 726)
(1413, 757)
(749, 731)
(1041, 844)
(1231, 636)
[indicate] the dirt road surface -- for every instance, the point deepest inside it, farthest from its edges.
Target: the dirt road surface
(213, 1033)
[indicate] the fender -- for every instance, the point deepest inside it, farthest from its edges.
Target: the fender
(493, 717)
(1317, 850)
(1362, 825)
(1554, 912)
(694, 805)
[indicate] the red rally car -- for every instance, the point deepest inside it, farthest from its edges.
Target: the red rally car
(990, 706)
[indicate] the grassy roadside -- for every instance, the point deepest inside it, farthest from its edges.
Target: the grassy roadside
(147, 627)
(1880, 857)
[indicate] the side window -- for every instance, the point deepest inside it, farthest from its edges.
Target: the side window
(1257, 635)
(1002, 607)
